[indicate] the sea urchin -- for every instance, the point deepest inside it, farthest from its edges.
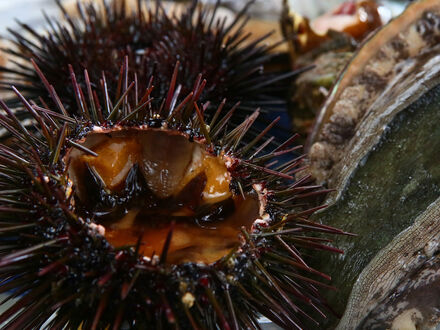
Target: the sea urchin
(209, 48)
(152, 217)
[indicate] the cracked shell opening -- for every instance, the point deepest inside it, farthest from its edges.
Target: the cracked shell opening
(142, 183)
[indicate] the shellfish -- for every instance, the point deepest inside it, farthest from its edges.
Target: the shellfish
(376, 143)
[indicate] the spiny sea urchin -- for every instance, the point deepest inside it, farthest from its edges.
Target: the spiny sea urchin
(113, 217)
(206, 46)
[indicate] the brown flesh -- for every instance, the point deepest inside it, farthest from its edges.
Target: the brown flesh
(190, 242)
(356, 22)
(183, 178)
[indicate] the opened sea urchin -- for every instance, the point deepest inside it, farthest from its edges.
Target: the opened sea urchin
(128, 214)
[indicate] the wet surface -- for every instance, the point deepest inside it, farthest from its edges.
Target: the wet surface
(416, 302)
(391, 186)
(190, 242)
(145, 185)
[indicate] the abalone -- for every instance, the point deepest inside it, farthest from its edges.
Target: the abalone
(376, 142)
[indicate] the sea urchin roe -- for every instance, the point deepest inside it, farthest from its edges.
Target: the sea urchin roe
(217, 176)
(218, 179)
(153, 181)
(167, 165)
(115, 159)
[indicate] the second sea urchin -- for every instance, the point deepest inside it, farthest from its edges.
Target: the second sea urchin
(114, 216)
(209, 48)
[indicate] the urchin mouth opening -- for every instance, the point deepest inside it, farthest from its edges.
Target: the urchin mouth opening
(142, 183)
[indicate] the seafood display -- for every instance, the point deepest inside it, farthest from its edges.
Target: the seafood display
(151, 177)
